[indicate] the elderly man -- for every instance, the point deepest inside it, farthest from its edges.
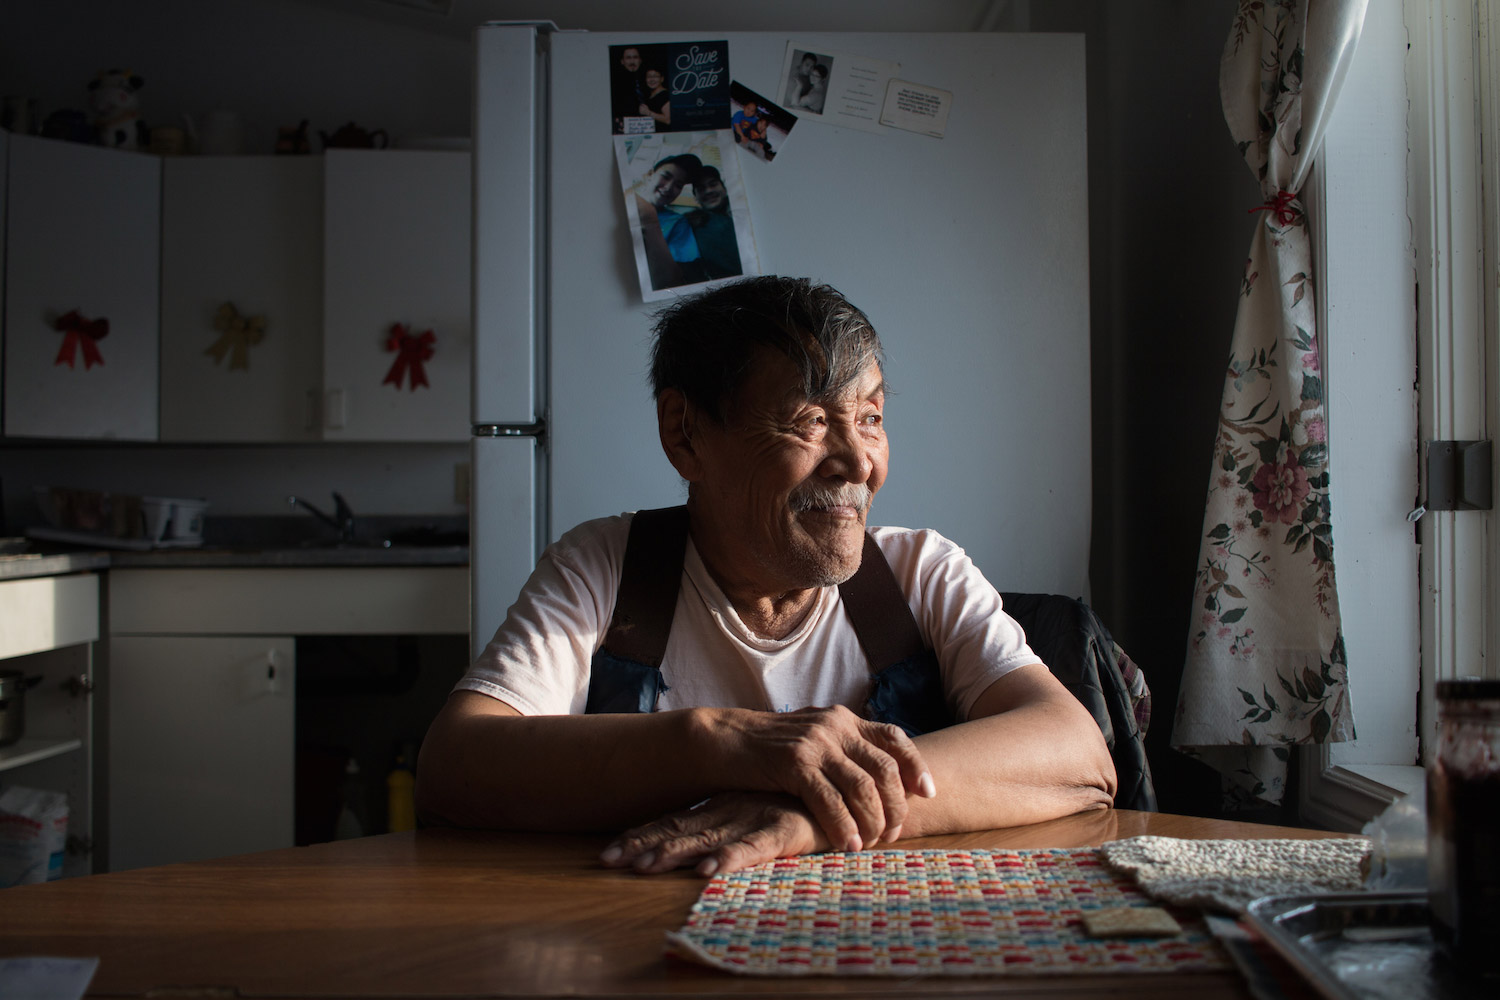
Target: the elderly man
(758, 675)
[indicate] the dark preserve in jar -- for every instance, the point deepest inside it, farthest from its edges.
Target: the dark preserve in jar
(1463, 826)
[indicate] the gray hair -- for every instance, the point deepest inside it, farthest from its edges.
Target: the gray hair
(705, 345)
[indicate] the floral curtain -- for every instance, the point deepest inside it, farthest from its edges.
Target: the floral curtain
(1265, 662)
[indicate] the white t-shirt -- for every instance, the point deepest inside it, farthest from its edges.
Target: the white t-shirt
(538, 661)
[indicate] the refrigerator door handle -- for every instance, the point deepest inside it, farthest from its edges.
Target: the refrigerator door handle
(538, 430)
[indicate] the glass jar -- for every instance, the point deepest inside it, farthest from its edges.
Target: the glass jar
(1463, 826)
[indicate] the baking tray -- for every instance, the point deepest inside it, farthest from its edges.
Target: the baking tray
(1363, 946)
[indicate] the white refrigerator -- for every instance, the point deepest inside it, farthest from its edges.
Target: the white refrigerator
(968, 253)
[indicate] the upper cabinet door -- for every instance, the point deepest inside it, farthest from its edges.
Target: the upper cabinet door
(241, 298)
(396, 306)
(81, 325)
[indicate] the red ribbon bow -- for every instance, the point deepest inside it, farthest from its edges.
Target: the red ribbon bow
(412, 351)
(1281, 204)
(79, 332)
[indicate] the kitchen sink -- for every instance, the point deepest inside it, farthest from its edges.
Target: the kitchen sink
(410, 538)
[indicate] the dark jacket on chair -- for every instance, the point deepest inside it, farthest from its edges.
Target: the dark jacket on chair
(1075, 645)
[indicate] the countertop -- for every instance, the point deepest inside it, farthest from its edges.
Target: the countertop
(260, 542)
(16, 565)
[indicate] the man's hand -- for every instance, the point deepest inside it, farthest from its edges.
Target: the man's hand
(852, 774)
(728, 832)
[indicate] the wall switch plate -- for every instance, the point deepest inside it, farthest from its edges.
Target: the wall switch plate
(461, 483)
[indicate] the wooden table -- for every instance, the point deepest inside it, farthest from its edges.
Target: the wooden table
(469, 914)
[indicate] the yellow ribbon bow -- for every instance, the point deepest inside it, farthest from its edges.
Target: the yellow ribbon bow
(236, 333)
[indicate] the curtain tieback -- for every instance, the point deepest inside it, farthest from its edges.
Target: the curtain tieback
(1281, 204)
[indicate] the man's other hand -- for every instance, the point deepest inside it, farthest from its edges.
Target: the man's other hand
(724, 834)
(852, 774)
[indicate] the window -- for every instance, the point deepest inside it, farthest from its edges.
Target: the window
(1411, 349)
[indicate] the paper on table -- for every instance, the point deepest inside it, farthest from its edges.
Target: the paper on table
(45, 978)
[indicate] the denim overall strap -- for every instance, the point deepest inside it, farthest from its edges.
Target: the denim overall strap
(625, 674)
(907, 684)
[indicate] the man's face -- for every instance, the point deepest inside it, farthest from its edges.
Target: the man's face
(785, 483)
(665, 184)
(710, 192)
(630, 59)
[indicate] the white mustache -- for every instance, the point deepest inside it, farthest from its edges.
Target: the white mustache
(813, 496)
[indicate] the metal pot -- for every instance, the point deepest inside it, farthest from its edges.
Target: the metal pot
(13, 685)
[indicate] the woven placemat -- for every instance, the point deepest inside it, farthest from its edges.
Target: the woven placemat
(1228, 874)
(944, 913)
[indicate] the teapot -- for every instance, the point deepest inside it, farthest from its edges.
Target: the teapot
(351, 136)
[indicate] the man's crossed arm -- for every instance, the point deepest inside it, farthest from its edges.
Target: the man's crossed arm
(775, 784)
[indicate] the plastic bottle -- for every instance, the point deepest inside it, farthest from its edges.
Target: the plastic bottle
(350, 822)
(401, 807)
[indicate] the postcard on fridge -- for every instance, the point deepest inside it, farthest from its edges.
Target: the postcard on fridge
(689, 217)
(668, 87)
(916, 108)
(835, 88)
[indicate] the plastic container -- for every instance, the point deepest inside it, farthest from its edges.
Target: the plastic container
(1463, 815)
(350, 823)
(156, 517)
(187, 520)
(401, 807)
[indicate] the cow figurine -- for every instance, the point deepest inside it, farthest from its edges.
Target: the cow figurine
(114, 109)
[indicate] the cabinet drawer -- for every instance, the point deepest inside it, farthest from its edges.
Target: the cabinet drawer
(47, 612)
(418, 600)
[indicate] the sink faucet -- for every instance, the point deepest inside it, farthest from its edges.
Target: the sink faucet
(341, 521)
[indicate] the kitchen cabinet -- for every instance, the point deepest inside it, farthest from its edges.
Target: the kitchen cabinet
(244, 232)
(82, 230)
(50, 625)
(396, 252)
(202, 693)
(200, 747)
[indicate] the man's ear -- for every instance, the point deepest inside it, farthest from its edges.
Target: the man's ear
(677, 423)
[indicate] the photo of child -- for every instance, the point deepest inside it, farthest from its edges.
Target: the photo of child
(759, 126)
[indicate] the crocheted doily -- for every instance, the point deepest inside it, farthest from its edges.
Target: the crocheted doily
(1228, 874)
